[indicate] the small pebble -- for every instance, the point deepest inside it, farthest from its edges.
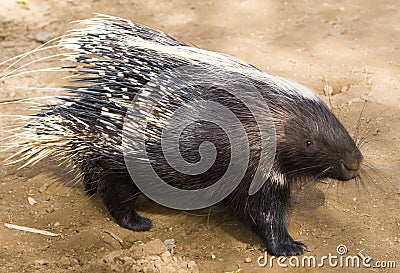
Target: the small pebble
(166, 256)
(353, 100)
(43, 187)
(31, 201)
(344, 88)
(50, 209)
(192, 264)
(43, 36)
(41, 262)
(191, 230)
(169, 243)
(247, 260)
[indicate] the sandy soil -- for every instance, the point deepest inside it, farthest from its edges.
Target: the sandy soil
(348, 47)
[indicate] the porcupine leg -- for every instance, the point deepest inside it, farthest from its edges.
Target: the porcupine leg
(271, 222)
(119, 193)
(267, 212)
(119, 196)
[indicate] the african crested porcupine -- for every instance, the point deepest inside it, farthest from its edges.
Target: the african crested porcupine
(129, 84)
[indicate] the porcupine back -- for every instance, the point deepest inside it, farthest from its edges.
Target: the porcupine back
(117, 58)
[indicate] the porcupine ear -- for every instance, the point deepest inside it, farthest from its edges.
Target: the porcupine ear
(289, 127)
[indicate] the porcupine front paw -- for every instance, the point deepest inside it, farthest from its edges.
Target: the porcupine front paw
(286, 247)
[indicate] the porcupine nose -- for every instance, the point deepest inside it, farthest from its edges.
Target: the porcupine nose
(350, 165)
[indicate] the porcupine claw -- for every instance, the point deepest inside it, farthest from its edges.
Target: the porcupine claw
(288, 247)
(134, 222)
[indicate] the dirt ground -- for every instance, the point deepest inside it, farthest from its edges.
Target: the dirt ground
(348, 48)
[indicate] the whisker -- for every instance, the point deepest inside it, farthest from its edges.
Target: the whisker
(359, 121)
(323, 172)
(372, 167)
(300, 169)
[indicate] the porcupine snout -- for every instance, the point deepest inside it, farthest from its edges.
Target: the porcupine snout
(350, 165)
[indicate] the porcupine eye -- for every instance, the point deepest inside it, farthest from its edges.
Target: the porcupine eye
(308, 143)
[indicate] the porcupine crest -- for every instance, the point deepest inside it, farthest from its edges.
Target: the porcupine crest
(117, 59)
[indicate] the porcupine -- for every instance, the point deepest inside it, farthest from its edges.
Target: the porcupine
(116, 59)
